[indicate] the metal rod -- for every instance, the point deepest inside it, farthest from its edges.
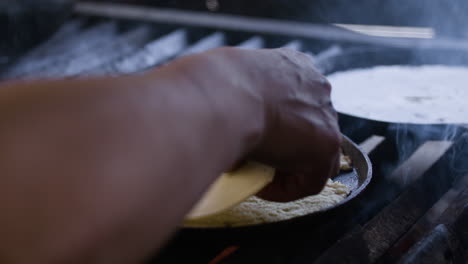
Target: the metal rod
(257, 25)
(391, 31)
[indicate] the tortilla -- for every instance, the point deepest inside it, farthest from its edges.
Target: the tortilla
(404, 94)
(255, 210)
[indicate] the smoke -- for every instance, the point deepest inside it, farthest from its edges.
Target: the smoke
(409, 137)
(446, 17)
(402, 140)
(459, 157)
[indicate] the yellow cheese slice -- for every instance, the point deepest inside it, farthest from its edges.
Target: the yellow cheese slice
(231, 189)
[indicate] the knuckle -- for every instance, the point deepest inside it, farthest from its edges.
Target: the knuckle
(286, 50)
(293, 55)
(322, 82)
(319, 83)
(325, 83)
(336, 139)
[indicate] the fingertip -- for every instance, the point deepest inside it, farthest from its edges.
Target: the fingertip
(287, 187)
(318, 186)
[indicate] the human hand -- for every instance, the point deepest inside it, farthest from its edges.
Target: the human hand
(301, 138)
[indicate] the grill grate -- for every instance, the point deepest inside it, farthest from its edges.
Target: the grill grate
(81, 47)
(418, 220)
(151, 54)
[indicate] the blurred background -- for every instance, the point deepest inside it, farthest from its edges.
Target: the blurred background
(447, 17)
(24, 23)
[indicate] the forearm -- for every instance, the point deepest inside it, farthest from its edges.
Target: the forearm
(103, 169)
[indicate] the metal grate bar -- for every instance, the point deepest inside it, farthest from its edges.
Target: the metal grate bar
(368, 243)
(101, 53)
(371, 143)
(51, 46)
(295, 45)
(451, 198)
(252, 43)
(419, 162)
(258, 25)
(153, 53)
(322, 59)
(438, 247)
(212, 41)
(63, 52)
(42, 51)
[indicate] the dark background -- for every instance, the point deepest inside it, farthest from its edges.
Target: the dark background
(449, 17)
(24, 23)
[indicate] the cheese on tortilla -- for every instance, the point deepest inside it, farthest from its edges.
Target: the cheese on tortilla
(255, 210)
(345, 163)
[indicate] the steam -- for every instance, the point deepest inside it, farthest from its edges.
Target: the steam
(459, 157)
(446, 18)
(409, 137)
